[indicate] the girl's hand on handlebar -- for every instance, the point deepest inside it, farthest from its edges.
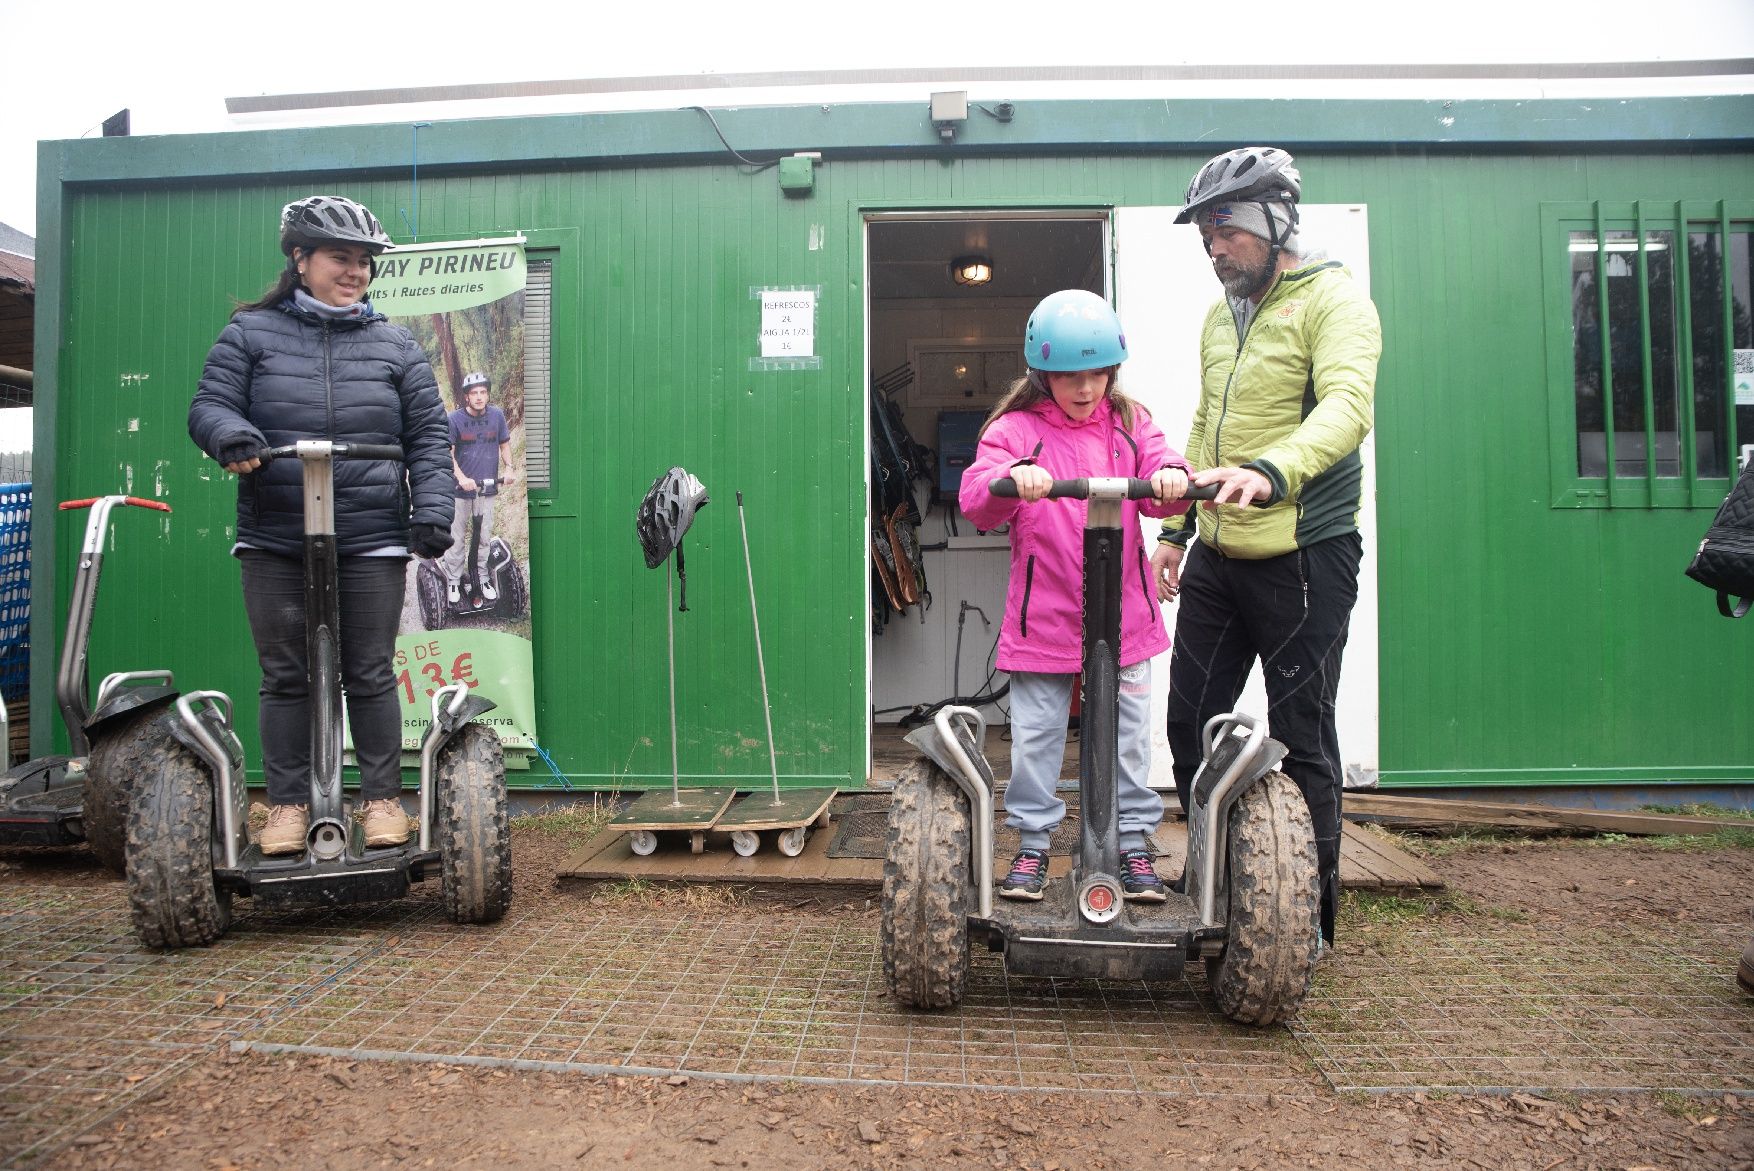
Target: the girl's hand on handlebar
(1238, 486)
(1033, 481)
(1169, 484)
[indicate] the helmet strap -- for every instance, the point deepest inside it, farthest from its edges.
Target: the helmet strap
(1275, 243)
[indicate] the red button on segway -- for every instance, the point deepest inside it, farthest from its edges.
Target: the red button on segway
(1100, 899)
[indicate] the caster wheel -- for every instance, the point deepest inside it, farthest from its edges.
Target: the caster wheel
(643, 842)
(791, 842)
(745, 842)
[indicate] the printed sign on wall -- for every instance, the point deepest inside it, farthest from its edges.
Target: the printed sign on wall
(466, 614)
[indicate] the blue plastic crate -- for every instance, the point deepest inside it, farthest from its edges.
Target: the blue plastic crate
(14, 590)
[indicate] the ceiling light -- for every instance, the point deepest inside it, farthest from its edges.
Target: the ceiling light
(971, 270)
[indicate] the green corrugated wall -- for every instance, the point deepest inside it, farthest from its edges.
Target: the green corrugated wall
(1519, 643)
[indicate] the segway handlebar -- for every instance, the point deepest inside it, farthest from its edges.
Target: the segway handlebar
(1079, 489)
(136, 501)
(389, 451)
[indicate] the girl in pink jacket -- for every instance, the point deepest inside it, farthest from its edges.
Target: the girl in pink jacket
(1068, 418)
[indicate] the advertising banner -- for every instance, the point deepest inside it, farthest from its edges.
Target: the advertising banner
(466, 615)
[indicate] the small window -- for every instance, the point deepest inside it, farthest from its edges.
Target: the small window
(1648, 406)
(538, 322)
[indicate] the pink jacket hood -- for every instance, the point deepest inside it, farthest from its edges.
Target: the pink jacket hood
(1044, 601)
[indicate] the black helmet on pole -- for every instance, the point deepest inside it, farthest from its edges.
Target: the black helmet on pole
(666, 513)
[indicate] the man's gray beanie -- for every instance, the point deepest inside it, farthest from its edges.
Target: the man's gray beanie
(1251, 217)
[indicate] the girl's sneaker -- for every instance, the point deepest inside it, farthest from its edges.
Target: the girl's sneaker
(1139, 881)
(1029, 873)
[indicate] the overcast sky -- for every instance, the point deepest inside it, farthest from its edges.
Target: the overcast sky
(75, 62)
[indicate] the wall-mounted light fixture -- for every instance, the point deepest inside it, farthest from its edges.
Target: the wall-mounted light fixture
(971, 270)
(949, 110)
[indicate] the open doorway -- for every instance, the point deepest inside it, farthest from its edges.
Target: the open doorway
(949, 294)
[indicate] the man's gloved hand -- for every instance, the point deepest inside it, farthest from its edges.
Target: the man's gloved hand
(429, 541)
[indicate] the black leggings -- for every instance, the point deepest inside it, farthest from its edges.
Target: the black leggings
(371, 608)
(1291, 612)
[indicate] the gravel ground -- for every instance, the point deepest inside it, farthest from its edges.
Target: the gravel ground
(1605, 967)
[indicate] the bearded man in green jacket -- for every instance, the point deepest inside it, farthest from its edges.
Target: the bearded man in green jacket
(1288, 362)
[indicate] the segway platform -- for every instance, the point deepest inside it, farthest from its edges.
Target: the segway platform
(364, 875)
(42, 803)
(1145, 941)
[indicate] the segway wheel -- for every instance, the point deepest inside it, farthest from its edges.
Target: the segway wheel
(927, 889)
(514, 592)
(429, 588)
(121, 751)
(473, 829)
(1275, 906)
(171, 894)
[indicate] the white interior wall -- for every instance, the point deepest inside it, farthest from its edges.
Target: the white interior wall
(1164, 285)
(917, 658)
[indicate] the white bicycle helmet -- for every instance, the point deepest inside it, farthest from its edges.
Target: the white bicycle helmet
(1253, 174)
(316, 220)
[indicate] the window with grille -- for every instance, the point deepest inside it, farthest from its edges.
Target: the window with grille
(1652, 395)
(538, 321)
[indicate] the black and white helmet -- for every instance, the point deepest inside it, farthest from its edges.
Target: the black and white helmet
(1258, 174)
(473, 379)
(666, 513)
(316, 220)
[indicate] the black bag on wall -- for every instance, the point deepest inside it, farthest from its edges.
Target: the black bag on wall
(1725, 561)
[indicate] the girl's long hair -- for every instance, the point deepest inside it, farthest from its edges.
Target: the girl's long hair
(1033, 388)
(279, 291)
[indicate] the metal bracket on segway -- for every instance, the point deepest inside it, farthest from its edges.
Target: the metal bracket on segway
(203, 725)
(1238, 754)
(955, 741)
(452, 707)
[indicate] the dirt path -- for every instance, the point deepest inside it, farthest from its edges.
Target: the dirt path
(253, 1110)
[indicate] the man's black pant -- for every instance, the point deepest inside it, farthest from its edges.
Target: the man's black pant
(1292, 613)
(371, 608)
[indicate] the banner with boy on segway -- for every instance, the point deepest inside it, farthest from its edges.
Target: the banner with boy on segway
(466, 614)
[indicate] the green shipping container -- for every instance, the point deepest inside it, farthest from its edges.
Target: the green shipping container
(1531, 621)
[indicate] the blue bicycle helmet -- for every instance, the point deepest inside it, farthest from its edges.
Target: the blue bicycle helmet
(1073, 330)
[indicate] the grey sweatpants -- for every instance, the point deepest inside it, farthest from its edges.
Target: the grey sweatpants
(456, 559)
(1040, 703)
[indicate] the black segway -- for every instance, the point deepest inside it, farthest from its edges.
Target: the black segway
(189, 851)
(501, 592)
(1251, 910)
(83, 797)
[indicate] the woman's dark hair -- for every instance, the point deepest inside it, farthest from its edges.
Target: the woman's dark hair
(280, 290)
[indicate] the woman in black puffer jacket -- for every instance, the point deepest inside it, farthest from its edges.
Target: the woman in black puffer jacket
(313, 360)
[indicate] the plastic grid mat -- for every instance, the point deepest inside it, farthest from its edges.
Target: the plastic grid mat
(89, 1022)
